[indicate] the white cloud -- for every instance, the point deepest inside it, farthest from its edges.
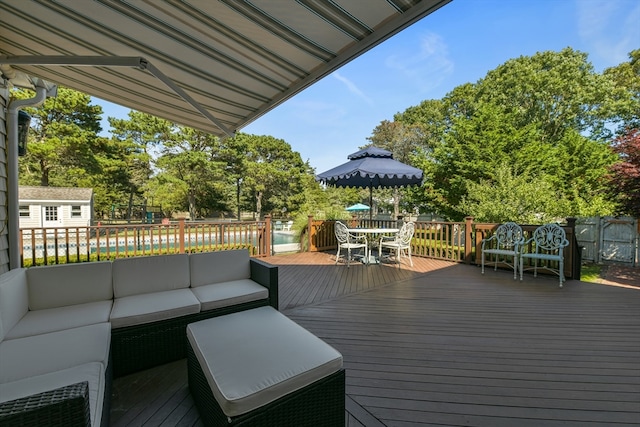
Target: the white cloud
(609, 27)
(425, 67)
(351, 87)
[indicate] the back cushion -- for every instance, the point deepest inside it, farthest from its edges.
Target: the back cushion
(68, 284)
(215, 267)
(14, 299)
(143, 275)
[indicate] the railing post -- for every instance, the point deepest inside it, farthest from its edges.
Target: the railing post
(575, 255)
(267, 224)
(181, 234)
(309, 231)
(468, 236)
(478, 242)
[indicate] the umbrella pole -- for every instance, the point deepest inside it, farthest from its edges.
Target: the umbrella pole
(370, 205)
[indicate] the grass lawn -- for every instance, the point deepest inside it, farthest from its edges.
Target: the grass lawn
(590, 273)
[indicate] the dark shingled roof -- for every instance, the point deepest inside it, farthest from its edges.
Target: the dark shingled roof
(54, 193)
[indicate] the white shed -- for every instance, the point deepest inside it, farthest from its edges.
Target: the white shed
(55, 207)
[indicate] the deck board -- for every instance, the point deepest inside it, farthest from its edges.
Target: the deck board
(441, 344)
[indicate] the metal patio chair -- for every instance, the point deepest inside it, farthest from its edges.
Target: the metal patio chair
(547, 244)
(348, 241)
(504, 242)
(400, 243)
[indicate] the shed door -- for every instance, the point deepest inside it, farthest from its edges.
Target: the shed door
(51, 216)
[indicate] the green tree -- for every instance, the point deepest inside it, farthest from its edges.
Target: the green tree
(273, 173)
(626, 93)
(546, 116)
(522, 198)
(130, 163)
(63, 142)
(190, 160)
(403, 140)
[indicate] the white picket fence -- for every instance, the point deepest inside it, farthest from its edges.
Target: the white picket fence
(609, 240)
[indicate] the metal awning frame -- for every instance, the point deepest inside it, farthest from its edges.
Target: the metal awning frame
(105, 61)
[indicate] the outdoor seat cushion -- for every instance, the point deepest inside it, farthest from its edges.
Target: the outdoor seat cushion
(254, 357)
(14, 299)
(40, 354)
(218, 267)
(226, 294)
(68, 284)
(152, 307)
(147, 274)
(93, 373)
(60, 318)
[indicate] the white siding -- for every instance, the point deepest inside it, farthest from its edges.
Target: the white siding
(35, 214)
(33, 221)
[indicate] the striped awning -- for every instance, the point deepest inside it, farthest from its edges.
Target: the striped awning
(215, 65)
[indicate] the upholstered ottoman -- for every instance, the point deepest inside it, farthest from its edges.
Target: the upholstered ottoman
(259, 368)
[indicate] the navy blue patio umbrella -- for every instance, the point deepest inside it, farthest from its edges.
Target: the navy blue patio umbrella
(372, 167)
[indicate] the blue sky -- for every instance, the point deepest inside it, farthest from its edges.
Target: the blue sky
(457, 44)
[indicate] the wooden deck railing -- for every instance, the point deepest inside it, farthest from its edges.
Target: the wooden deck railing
(452, 241)
(42, 246)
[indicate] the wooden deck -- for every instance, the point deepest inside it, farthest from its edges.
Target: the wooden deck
(441, 344)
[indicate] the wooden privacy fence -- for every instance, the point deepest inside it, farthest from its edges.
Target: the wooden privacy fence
(103, 242)
(609, 239)
(452, 241)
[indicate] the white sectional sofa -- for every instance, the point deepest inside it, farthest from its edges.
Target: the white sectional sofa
(65, 330)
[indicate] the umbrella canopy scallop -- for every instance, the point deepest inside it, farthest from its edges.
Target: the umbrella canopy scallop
(372, 167)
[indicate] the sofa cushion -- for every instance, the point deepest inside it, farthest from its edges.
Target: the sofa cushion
(254, 357)
(40, 354)
(14, 299)
(214, 267)
(229, 293)
(152, 307)
(68, 284)
(92, 372)
(142, 275)
(61, 318)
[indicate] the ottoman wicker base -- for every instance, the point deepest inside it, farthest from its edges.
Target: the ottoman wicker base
(259, 368)
(320, 404)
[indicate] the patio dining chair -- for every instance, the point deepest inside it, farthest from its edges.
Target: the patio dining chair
(348, 241)
(504, 242)
(400, 243)
(547, 244)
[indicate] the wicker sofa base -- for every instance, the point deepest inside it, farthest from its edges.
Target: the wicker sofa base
(320, 404)
(64, 406)
(139, 347)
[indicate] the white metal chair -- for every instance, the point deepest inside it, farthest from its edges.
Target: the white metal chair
(504, 242)
(399, 243)
(547, 244)
(287, 225)
(349, 241)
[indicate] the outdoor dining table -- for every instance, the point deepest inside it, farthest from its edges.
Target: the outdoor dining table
(374, 233)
